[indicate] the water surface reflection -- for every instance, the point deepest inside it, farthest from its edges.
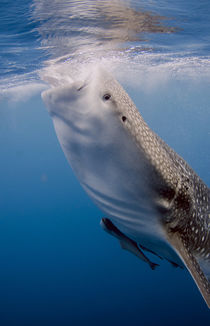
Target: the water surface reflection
(69, 26)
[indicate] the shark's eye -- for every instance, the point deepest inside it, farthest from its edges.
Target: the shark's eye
(106, 97)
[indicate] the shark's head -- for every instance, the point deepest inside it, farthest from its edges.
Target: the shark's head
(92, 116)
(99, 96)
(96, 121)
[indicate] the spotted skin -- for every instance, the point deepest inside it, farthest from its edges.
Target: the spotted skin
(146, 189)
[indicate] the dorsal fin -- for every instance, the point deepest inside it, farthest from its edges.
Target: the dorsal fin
(195, 265)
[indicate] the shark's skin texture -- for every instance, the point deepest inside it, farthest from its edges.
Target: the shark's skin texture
(147, 191)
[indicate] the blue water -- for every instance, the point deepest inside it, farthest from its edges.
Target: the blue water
(57, 267)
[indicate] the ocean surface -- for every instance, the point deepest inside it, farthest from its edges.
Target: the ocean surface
(57, 266)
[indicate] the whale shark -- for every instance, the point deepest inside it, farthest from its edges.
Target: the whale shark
(152, 199)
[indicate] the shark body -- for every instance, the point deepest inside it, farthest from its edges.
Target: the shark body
(149, 193)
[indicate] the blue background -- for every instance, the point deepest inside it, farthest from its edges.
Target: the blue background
(57, 266)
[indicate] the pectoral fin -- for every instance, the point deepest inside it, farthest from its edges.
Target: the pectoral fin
(197, 265)
(125, 242)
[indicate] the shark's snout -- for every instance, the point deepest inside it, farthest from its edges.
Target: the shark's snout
(60, 98)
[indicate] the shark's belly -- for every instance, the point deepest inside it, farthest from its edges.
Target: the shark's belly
(114, 173)
(133, 213)
(137, 219)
